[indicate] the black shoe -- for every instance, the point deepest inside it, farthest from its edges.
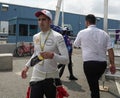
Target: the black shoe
(72, 78)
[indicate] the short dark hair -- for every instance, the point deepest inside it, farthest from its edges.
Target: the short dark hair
(90, 18)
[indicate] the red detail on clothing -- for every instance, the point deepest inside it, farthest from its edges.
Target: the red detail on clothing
(61, 92)
(28, 92)
(44, 11)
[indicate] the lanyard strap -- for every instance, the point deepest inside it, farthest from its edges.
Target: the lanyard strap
(42, 46)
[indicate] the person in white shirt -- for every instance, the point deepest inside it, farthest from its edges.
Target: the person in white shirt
(94, 43)
(50, 49)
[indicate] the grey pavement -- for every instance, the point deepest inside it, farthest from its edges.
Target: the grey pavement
(12, 86)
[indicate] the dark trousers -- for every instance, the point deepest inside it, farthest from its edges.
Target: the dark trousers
(62, 67)
(45, 87)
(93, 71)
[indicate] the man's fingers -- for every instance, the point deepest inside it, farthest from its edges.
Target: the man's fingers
(23, 74)
(112, 70)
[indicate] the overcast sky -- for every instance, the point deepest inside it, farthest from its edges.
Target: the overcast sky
(75, 6)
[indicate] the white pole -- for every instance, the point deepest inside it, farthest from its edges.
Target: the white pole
(57, 14)
(103, 88)
(106, 15)
(63, 14)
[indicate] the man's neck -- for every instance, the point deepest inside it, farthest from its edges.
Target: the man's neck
(46, 30)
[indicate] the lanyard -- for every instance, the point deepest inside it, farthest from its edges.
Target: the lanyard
(43, 45)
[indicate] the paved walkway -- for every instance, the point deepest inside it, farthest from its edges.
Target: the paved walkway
(117, 52)
(12, 86)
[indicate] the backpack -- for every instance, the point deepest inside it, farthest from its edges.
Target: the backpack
(66, 37)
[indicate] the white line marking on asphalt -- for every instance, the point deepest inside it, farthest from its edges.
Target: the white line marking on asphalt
(18, 73)
(118, 86)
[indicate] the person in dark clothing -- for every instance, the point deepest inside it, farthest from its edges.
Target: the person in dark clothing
(70, 49)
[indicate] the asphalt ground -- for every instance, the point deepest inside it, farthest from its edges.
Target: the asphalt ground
(13, 86)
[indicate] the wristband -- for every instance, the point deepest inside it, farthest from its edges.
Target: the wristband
(40, 57)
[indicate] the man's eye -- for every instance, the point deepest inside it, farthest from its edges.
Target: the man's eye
(42, 19)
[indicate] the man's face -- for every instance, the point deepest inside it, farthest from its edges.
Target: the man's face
(44, 23)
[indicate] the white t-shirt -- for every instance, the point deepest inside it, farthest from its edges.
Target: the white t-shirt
(94, 43)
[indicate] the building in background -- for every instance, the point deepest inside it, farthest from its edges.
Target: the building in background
(20, 23)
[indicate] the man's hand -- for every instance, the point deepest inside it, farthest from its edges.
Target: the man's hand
(24, 72)
(112, 69)
(47, 55)
(111, 59)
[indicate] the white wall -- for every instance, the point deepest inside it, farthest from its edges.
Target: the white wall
(4, 27)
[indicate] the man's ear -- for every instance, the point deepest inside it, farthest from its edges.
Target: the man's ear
(87, 23)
